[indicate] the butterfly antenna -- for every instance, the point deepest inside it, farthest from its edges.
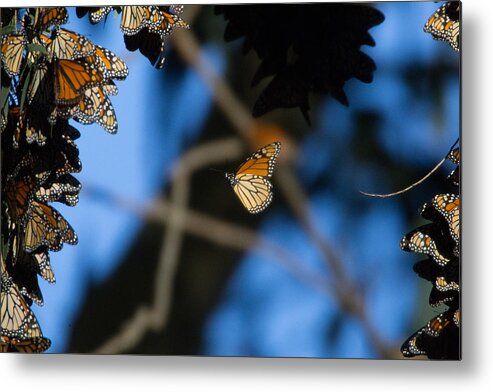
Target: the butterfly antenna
(417, 182)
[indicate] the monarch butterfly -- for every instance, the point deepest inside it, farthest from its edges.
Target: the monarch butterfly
(67, 45)
(104, 114)
(149, 44)
(442, 284)
(51, 16)
(98, 15)
(132, 19)
(437, 339)
(64, 189)
(20, 330)
(108, 63)
(31, 345)
(457, 317)
(454, 156)
(444, 24)
(145, 29)
(94, 107)
(44, 225)
(72, 78)
(26, 126)
(420, 241)
(12, 52)
(448, 205)
(163, 22)
(251, 182)
(42, 258)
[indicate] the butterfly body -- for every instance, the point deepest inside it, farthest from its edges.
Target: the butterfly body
(251, 182)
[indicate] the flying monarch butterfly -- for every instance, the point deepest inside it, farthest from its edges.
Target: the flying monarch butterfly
(72, 78)
(13, 46)
(448, 205)
(67, 45)
(251, 182)
(444, 24)
(420, 241)
(20, 329)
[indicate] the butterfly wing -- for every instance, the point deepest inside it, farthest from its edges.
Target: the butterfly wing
(254, 192)
(251, 180)
(444, 24)
(262, 162)
(132, 19)
(12, 51)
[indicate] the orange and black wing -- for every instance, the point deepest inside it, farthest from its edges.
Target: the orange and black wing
(444, 24)
(262, 162)
(448, 205)
(12, 52)
(72, 78)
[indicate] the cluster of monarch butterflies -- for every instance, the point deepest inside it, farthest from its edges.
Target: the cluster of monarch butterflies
(144, 27)
(49, 75)
(439, 241)
(444, 24)
(62, 73)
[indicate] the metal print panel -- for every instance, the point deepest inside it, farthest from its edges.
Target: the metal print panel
(263, 180)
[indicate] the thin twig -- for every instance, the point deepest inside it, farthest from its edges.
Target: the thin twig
(407, 188)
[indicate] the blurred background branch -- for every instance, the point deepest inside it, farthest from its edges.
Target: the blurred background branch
(178, 219)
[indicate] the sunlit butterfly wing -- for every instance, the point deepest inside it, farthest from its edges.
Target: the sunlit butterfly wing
(45, 226)
(108, 63)
(20, 330)
(72, 78)
(68, 45)
(132, 19)
(12, 52)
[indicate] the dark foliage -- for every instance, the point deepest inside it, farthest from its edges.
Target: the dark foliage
(307, 48)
